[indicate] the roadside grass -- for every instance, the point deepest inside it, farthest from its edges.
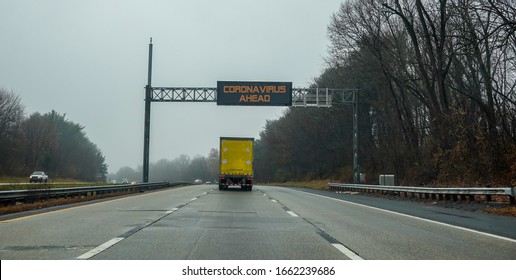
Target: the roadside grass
(21, 180)
(22, 184)
(502, 211)
(314, 185)
(28, 206)
(16, 183)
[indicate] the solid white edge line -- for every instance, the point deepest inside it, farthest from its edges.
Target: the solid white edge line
(100, 248)
(292, 214)
(346, 251)
(418, 218)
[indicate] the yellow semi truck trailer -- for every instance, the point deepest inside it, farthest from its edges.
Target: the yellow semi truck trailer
(236, 163)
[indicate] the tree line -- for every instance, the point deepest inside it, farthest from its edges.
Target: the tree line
(437, 98)
(45, 142)
(182, 168)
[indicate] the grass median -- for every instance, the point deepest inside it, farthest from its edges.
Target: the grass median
(11, 183)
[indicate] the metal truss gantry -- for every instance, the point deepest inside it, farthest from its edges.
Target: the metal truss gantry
(301, 97)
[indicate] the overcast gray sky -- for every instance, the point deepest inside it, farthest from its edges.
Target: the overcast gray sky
(88, 60)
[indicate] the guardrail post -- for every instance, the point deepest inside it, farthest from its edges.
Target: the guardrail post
(512, 198)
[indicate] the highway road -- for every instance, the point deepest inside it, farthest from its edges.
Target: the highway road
(270, 223)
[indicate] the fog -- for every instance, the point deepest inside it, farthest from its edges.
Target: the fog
(88, 60)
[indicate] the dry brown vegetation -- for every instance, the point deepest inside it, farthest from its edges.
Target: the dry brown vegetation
(28, 206)
(503, 211)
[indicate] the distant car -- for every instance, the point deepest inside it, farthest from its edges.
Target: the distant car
(198, 181)
(208, 183)
(125, 181)
(38, 176)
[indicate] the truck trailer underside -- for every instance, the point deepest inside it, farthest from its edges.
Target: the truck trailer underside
(245, 183)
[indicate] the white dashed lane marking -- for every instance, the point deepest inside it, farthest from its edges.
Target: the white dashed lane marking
(346, 251)
(100, 248)
(292, 214)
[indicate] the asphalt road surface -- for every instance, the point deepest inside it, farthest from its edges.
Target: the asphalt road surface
(270, 223)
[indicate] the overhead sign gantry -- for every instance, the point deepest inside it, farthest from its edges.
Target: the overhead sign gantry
(249, 93)
(254, 93)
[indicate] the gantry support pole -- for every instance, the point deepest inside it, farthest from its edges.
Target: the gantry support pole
(356, 164)
(146, 133)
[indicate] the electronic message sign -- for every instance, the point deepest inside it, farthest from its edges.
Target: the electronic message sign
(254, 93)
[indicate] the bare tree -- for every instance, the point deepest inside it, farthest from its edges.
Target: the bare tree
(38, 142)
(11, 117)
(11, 113)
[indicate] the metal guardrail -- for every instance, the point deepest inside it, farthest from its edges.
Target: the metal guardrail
(430, 193)
(45, 193)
